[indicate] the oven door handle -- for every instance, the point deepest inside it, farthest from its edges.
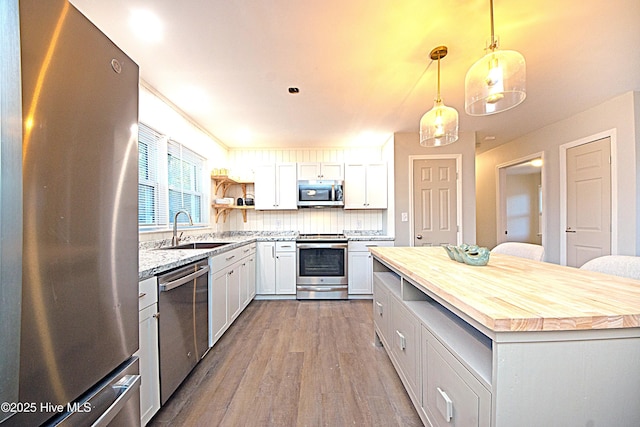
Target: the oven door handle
(322, 246)
(324, 288)
(181, 281)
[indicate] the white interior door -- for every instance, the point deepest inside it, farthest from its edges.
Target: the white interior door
(435, 202)
(588, 201)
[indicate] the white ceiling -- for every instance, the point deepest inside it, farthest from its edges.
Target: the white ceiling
(360, 64)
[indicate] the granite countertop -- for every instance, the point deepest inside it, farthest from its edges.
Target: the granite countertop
(360, 235)
(153, 260)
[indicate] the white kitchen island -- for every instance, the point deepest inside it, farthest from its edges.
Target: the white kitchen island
(514, 343)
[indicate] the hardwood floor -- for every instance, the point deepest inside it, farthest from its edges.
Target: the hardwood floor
(294, 363)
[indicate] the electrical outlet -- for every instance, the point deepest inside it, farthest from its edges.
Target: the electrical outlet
(278, 224)
(405, 217)
(359, 224)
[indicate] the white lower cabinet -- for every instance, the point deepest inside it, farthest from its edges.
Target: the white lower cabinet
(232, 288)
(286, 268)
(248, 277)
(451, 395)
(360, 263)
(148, 349)
(276, 268)
(427, 345)
(218, 306)
(404, 339)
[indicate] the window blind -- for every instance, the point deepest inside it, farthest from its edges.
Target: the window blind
(184, 171)
(149, 213)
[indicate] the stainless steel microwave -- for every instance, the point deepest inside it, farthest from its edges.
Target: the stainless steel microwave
(320, 193)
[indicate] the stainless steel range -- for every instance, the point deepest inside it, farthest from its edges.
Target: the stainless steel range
(322, 266)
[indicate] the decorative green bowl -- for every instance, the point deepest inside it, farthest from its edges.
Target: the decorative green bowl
(468, 254)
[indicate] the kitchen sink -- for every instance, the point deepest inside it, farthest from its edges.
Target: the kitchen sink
(198, 245)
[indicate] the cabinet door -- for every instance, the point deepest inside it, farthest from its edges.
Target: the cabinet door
(149, 363)
(376, 187)
(360, 273)
(286, 186)
(452, 396)
(381, 310)
(266, 268)
(404, 340)
(355, 185)
(265, 187)
(332, 171)
(309, 170)
(218, 313)
(233, 291)
(285, 273)
(248, 279)
(244, 287)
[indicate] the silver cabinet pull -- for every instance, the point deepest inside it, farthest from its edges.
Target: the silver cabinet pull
(379, 304)
(445, 405)
(403, 341)
(142, 295)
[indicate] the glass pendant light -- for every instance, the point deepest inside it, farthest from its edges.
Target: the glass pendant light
(496, 82)
(439, 126)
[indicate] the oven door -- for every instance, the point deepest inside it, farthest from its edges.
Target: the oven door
(322, 271)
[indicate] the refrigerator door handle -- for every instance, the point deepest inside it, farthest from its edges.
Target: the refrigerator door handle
(125, 388)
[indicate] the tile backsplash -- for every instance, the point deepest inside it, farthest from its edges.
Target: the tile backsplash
(329, 220)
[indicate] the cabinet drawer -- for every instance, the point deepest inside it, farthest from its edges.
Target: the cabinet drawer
(286, 246)
(381, 310)
(404, 340)
(247, 250)
(147, 292)
(364, 245)
(452, 396)
(225, 259)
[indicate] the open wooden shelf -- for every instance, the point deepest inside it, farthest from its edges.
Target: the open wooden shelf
(224, 182)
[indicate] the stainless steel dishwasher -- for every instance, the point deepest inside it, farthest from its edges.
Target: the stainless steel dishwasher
(183, 323)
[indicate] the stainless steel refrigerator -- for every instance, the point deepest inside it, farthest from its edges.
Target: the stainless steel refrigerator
(79, 305)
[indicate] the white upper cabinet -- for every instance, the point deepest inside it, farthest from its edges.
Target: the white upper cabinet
(317, 170)
(365, 186)
(276, 187)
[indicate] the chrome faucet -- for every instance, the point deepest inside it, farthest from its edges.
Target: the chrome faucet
(175, 240)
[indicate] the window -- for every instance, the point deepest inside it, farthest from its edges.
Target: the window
(148, 182)
(170, 178)
(185, 181)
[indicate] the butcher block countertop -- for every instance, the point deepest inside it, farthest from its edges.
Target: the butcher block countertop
(516, 294)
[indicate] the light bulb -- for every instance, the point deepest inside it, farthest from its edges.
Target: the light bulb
(495, 81)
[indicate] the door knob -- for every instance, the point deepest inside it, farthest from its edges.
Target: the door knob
(419, 236)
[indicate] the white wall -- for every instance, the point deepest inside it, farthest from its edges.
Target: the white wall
(621, 113)
(241, 164)
(408, 144)
(157, 113)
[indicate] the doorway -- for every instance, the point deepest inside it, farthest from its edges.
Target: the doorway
(435, 200)
(588, 190)
(520, 213)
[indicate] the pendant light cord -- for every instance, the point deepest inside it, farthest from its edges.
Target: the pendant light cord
(493, 44)
(438, 100)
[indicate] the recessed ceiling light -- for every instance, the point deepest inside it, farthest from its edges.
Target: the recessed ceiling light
(490, 138)
(146, 25)
(294, 90)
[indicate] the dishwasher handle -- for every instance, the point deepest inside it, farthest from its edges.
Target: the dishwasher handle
(164, 287)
